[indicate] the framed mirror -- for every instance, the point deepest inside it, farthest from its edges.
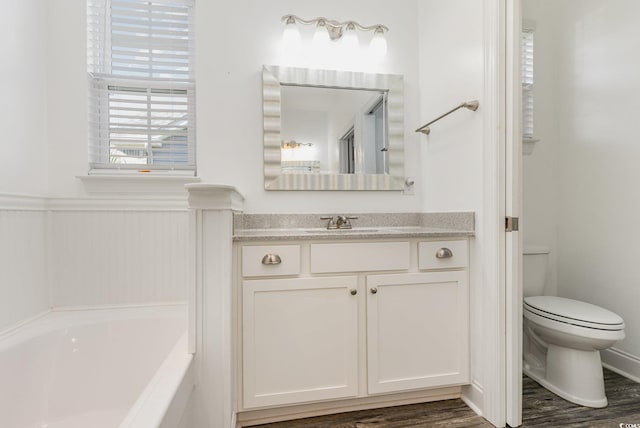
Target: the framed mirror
(332, 130)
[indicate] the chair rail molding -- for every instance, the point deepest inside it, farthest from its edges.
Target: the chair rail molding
(18, 202)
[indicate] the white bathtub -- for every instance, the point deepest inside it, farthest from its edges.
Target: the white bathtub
(110, 368)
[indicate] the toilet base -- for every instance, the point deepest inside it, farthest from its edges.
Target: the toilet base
(572, 374)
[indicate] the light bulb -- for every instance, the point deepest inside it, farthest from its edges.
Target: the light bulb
(350, 39)
(378, 45)
(291, 40)
(321, 38)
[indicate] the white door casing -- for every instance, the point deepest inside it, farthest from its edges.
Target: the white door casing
(513, 200)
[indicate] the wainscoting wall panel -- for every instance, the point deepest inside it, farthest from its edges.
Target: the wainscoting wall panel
(23, 277)
(113, 257)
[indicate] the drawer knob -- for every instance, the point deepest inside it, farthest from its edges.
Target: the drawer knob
(374, 290)
(444, 253)
(271, 259)
(353, 291)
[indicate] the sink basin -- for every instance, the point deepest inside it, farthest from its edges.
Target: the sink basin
(339, 231)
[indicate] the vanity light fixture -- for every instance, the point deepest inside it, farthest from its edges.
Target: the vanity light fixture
(294, 144)
(331, 30)
(291, 36)
(378, 45)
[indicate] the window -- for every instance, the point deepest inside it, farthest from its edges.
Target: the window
(141, 84)
(526, 60)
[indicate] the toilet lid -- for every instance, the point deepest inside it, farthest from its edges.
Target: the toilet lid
(574, 312)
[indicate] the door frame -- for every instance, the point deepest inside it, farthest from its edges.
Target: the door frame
(514, 208)
(502, 391)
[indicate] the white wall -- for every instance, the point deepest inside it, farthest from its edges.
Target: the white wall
(451, 71)
(113, 257)
(234, 40)
(23, 290)
(541, 170)
(98, 252)
(23, 165)
(67, 96)
(600, 200)
(596, 171)
(23, 160)
(229, 95)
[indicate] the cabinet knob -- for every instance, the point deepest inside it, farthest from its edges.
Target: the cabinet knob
(271, 259)
(374, 290)
(444, 253)
(353, 291)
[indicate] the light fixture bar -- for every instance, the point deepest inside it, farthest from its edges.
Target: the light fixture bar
(337, 25)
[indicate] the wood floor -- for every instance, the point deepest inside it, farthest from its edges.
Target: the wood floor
(541, 408)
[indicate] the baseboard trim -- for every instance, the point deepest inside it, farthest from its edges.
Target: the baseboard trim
(621, 362)
(472, 396)
(264, 416)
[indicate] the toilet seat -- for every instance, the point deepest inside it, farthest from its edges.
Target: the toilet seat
(574, 312)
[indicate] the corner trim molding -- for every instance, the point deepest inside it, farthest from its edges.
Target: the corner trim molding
(472, 396)
(206, 196)
(494, 399)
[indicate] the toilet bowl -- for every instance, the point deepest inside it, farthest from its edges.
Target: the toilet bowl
(563, 338)
(566, 337)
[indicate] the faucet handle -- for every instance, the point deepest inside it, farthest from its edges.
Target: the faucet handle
(344, 221)
(331, 224)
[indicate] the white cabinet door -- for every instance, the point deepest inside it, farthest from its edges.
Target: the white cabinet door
(299, 340)
(417, 331)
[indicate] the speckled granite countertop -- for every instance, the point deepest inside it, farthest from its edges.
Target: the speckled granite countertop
(271, 227)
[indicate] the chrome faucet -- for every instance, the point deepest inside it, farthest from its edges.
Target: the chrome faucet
(341, 222)
(331, 224)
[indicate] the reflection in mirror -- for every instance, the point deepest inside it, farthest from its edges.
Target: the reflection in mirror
(332, 130)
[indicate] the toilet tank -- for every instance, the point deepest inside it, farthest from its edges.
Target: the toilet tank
(534, 269)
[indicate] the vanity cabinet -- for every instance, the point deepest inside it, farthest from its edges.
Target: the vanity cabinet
(300, 340)
(341, 320)
(417, 331)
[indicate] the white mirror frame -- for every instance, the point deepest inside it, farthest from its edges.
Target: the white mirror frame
(275, 76)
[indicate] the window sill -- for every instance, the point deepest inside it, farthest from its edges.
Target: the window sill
(134, 182)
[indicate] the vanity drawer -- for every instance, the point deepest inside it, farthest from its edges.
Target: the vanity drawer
(442, 254)
(359, 257)
(270, 260)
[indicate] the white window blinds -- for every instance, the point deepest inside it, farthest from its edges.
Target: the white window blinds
(141, 83)
(526, 60)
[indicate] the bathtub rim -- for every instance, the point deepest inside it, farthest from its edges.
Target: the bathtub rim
(166, 394)
(64, 317)
(165, 397)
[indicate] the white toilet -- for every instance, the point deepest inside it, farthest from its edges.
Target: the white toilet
(563, 337)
